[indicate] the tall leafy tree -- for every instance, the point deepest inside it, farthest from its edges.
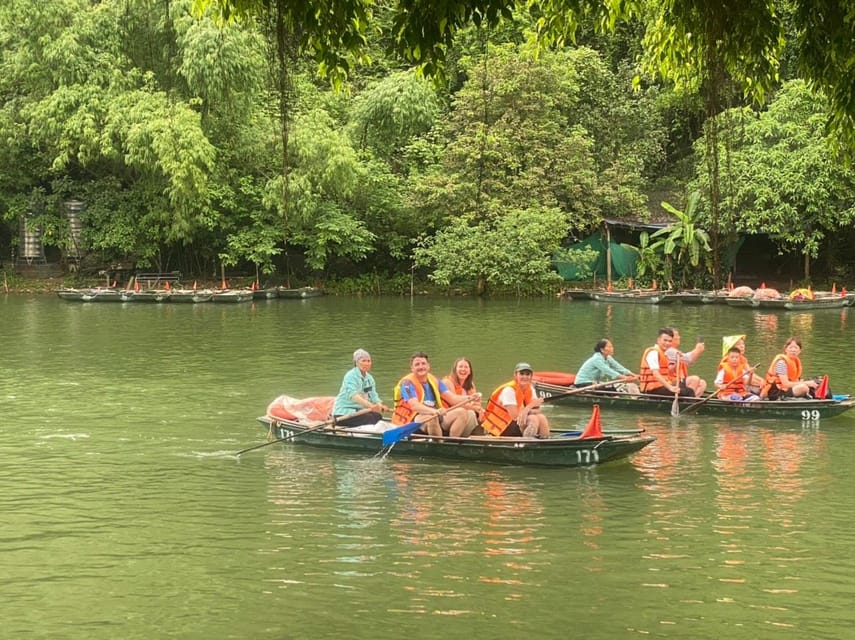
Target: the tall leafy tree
(783, 178)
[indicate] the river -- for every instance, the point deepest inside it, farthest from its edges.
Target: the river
(126, 513)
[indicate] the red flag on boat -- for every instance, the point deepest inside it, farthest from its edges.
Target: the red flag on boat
(655, 286)
(136, 286)
(822, 389)
(594, 428)
(167, 285)
(609, 287)
(762, 285)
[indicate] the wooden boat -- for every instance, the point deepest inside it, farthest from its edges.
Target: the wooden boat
(576, 294)
(632, 297)
(232, 295)
(149, 295)
(835, 302)
(101, 294)
(714, 297)
(806, 410)
(302, 292)
(186, 296)
(831, 302)
(683, 297)
(560, 451)
(265, 294)
(68, 293)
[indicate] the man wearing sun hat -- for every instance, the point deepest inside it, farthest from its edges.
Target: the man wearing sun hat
(514, 409)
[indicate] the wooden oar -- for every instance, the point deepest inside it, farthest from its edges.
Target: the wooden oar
(391, 436)
(291, 436)
(717, 391)
(589, 387)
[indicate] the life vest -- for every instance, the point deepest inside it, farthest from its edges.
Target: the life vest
(456, 388)
(794, 373)
(496, 417)
(733, 378)
(403, 414)
(648, 381)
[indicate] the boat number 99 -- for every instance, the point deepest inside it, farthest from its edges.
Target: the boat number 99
(587, 456)
(809, 415)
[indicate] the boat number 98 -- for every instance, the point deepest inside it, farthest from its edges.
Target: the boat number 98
(809, 415)
(587, 456)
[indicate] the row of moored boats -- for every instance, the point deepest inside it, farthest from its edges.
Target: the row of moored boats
(181, 295)
(761, 298)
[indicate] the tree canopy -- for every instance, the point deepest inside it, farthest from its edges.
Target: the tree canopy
(685, 40)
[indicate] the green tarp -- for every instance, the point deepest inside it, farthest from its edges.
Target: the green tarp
(624, 261)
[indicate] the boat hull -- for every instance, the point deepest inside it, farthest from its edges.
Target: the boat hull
(628, 298)
(804, 410)
(551, 452)
(302, 292)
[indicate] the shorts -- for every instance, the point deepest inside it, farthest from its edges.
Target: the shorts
(662, 391)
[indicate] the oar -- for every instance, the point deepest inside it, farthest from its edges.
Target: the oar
(391, 436)
(675, 406)
(589, 387)
(716, 391)
(291, 436)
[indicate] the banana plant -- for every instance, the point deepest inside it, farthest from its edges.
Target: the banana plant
(682, 243)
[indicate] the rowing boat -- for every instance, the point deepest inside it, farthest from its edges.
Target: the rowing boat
(632, 297)
(835, 302)
(806, 410)
(570, 450)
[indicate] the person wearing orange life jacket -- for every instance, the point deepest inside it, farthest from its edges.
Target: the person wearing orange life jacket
(460, 381)
(655, 377)
(784, 377)
(733, 377)
(421, 397)
(678, 362)
(738, 341)
(513, 409)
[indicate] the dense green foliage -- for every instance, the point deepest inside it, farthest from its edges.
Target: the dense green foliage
(204, 134)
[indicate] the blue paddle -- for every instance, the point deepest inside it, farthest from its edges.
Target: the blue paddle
(391, 436)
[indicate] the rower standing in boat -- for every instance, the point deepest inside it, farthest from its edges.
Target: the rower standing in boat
(679, 362)
(656, 378)
(421, 397)
(514, 410)
(602, 367)
(358, 392)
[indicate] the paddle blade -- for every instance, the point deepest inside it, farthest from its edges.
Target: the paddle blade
(675, 406)
(822, 389)
(391, 436)
(594, 428)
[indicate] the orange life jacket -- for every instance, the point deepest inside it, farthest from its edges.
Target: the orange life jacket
(456, 388)
(496, 417)
(648, 381)
(794, 373)
(403, 414)
(733, 377)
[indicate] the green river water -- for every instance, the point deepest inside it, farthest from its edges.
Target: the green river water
(126, 514)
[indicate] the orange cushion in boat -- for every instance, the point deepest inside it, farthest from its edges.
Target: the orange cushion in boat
(555, 377)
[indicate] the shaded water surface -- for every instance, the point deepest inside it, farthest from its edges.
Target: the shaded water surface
(126, 513)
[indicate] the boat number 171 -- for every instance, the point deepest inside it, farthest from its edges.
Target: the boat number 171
(587, 456)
